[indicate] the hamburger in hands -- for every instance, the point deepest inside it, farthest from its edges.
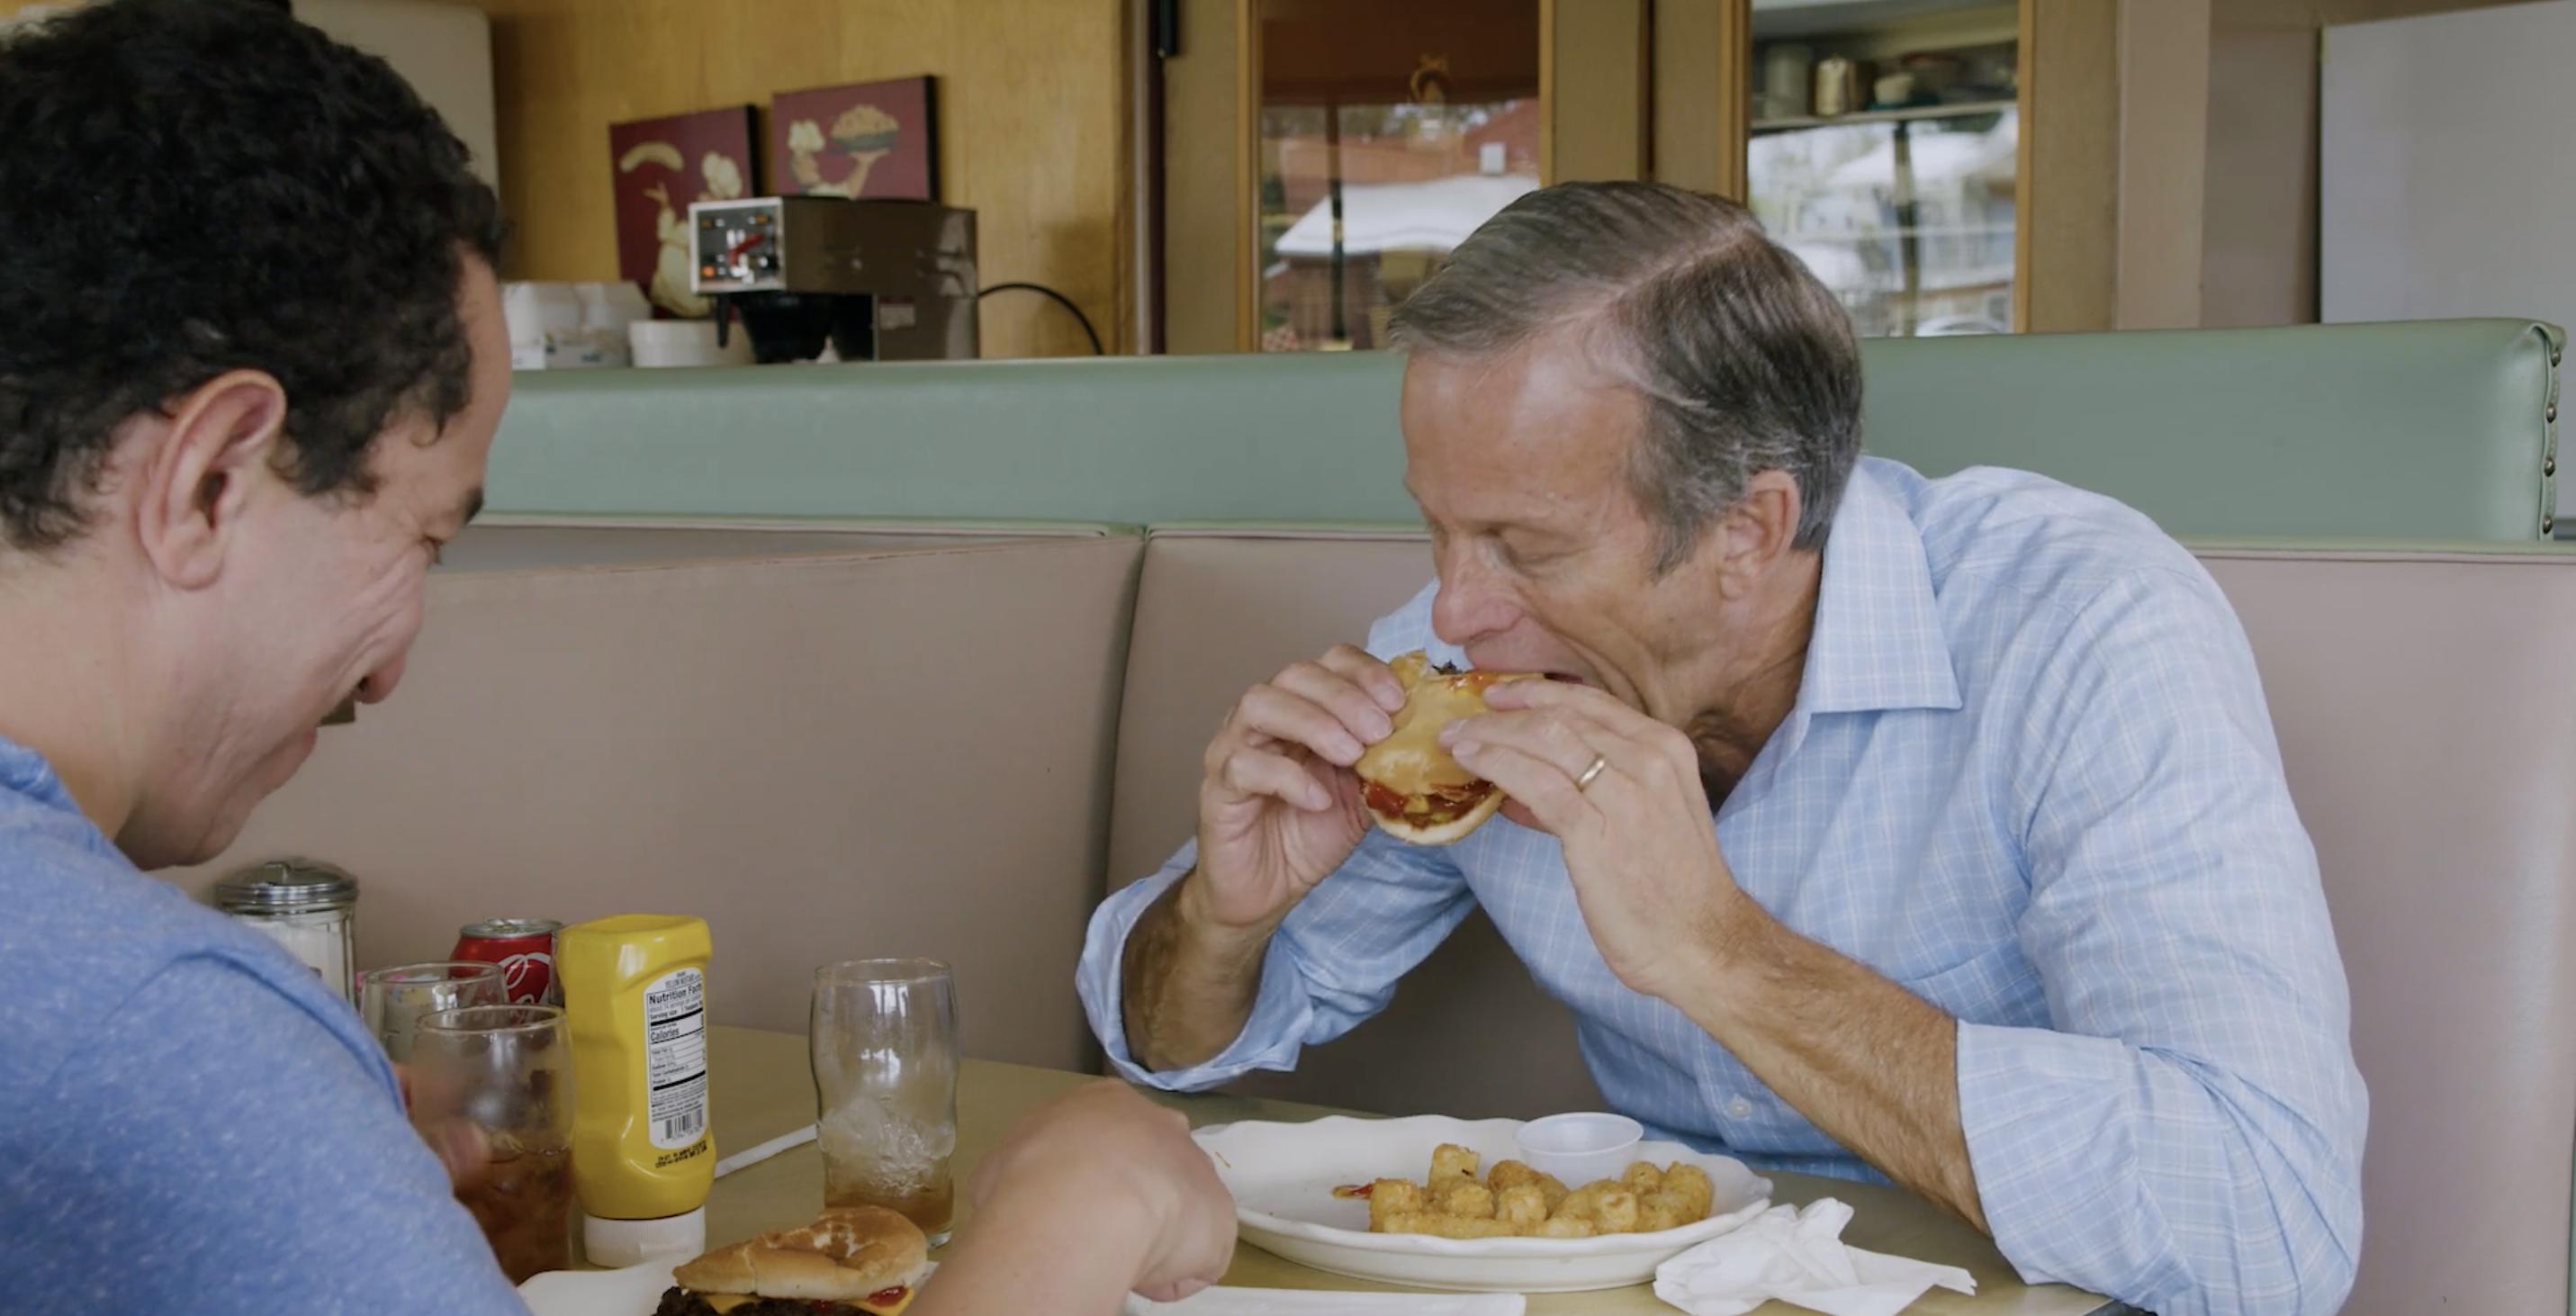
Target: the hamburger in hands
(852, 1259)
(1413, 787)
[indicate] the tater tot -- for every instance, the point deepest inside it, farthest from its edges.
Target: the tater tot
(1451, 1161)
(1520, 1204)
(1469, 1199)
(1562, 1227)
(1450, 1226)
(1392, 1197)
(1660, 1211)
(1583, 1202)
(1509, 1174)
(1690, 1184)
(1575, 1206)
(1615, 1212)
(1552, 1190)
(1642, 1178)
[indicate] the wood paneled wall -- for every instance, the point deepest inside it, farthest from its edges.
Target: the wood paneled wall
(2164, 154)
(2259, 242)
(1596, 77)
(1703, 64)
(1032, 125)
(1207, 189)
(2069, 212)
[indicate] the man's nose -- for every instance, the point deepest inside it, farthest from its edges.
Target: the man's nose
(379, 684)
(1471, 604)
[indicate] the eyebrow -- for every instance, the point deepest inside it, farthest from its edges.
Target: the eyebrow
(469, 508)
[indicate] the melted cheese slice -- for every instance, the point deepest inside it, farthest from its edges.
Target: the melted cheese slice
(1410, 760)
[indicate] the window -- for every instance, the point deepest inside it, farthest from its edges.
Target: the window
(1388, 134)
(1885, 153)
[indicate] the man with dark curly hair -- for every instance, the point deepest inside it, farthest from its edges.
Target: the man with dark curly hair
(250, 371)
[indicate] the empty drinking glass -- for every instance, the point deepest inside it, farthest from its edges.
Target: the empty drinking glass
(885, 1087)
(393, 1001)
(507, 1071)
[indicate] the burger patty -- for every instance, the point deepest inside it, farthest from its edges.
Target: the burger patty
(677, 1301)
(1442, 804)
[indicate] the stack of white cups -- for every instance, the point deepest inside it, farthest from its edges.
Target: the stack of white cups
(686, 343)
(568, 326)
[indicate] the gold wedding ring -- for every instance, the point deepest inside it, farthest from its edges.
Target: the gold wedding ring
(1590, 773)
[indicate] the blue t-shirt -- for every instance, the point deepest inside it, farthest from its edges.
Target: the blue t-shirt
(189, 1121)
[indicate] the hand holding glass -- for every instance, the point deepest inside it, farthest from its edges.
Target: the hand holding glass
(505, 1070)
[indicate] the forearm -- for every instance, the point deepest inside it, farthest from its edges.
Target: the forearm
(1072, 1256)
(2202, 1188)
(1187, 988)
(1869, 1063)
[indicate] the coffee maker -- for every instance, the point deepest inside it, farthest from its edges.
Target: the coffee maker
(877, 279)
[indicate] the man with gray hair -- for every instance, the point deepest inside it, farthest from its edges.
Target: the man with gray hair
(1874, 825)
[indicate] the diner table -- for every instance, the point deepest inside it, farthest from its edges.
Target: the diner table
(762, 1088)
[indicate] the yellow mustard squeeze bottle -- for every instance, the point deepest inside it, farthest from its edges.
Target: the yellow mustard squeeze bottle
(643, 1158)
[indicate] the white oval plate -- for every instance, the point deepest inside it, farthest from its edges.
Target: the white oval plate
(1283, 1176)
(634, 1291)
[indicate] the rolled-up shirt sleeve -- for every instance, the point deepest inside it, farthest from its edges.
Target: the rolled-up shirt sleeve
(2186, 1136)
(1332, 965)
(1335, 959)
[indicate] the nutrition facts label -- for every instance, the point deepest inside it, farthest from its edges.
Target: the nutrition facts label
(675, 1057)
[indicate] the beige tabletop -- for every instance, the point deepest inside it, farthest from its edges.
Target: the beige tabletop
(763, 1088)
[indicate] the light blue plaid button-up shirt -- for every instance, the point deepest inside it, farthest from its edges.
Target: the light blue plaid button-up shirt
(2029, 776)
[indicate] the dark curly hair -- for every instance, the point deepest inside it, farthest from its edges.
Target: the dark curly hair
(189, 187)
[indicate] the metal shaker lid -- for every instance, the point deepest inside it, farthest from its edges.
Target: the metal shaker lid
(287, 886)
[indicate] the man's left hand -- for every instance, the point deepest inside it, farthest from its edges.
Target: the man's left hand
(460, 1145)
(1639, 843)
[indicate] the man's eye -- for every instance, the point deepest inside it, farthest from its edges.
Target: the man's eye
(1527, 559)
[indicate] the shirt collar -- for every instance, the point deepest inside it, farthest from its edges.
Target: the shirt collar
(1877, 642)
(25, 772)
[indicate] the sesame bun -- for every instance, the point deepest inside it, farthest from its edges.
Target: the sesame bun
(847, 1254)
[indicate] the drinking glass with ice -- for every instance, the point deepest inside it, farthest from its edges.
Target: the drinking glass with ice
(884, 1037)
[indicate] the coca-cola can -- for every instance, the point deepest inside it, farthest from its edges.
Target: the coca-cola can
(525, 950)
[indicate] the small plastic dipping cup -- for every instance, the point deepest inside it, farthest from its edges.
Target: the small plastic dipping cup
(1581, 1147)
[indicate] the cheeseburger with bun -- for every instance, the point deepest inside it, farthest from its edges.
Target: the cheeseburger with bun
(852, 1259)
(1413, 787)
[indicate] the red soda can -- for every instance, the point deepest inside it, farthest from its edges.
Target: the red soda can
(525, 950)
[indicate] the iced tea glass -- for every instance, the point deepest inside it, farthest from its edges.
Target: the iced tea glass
(394, 1001)
(507, 1071)
(885, 1087)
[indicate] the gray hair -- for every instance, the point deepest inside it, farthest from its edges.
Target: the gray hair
(1747, 363)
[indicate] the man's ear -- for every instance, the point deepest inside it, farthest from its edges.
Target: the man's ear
(1757, 531)
(215, 446)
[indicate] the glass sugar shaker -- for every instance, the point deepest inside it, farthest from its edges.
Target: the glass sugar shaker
(309, 908)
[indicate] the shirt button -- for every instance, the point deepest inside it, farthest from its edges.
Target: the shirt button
(1740, 1108)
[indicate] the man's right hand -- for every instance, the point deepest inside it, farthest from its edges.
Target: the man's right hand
(1103, 1173)
(1279, 808)
(1279, 811)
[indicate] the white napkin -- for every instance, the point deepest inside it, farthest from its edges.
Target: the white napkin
(1798, 1257)
(1293, 1302)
